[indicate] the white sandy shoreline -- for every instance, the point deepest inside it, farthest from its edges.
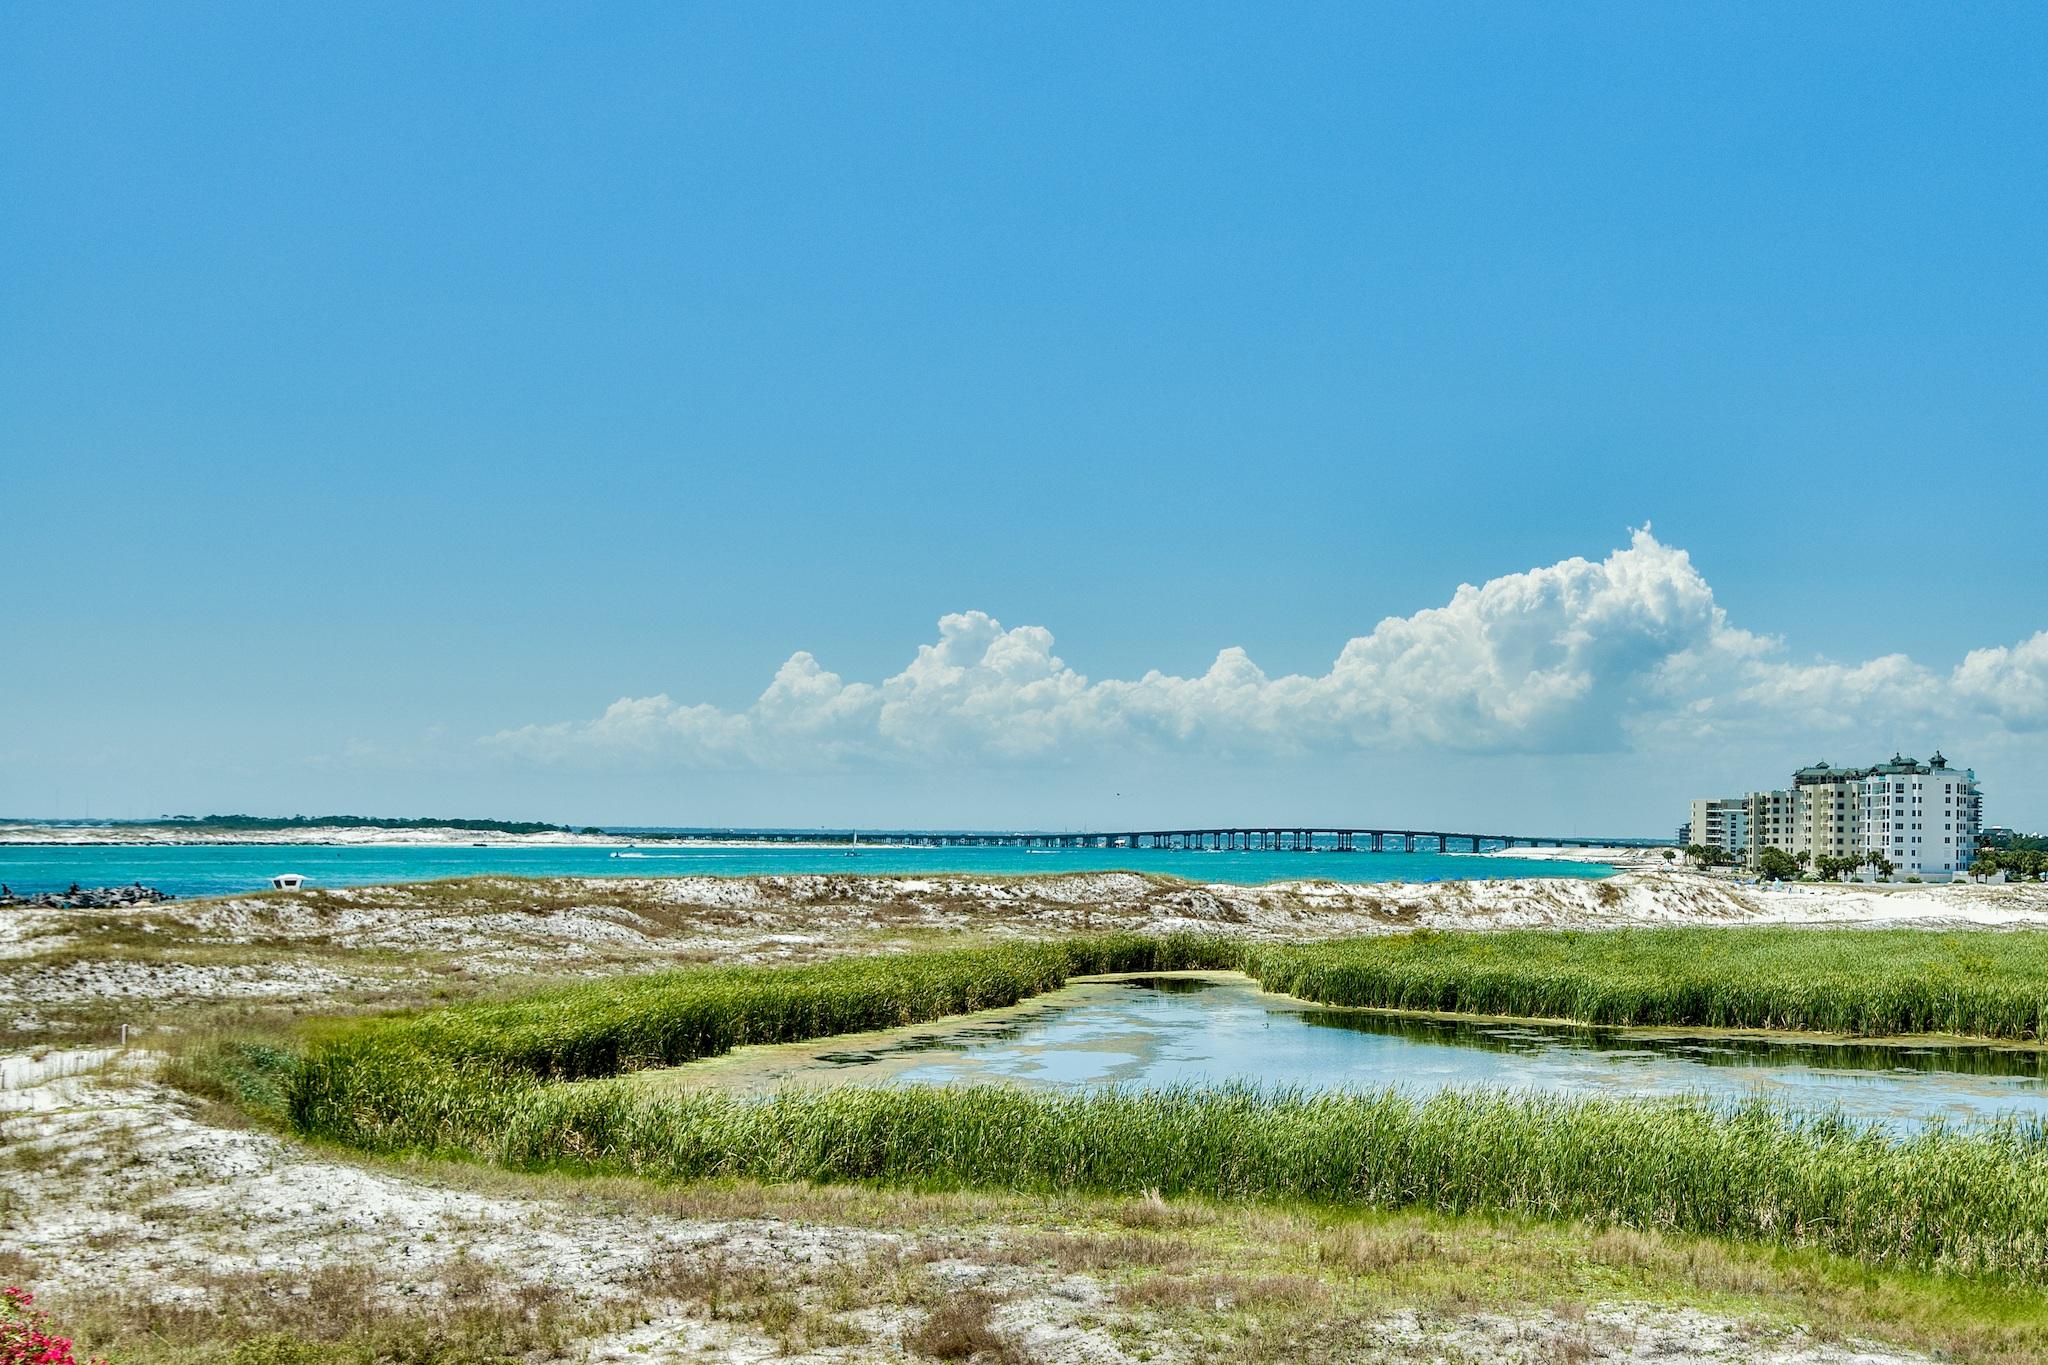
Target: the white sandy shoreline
(361, 836)
(368, 836)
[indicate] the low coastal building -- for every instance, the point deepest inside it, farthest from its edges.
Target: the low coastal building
(1825, 810)
(1720, 823)
(1922, 818)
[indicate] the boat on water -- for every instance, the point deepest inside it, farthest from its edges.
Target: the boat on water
(854, 852)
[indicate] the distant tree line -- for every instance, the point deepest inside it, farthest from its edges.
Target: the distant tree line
(2027, 864)
(270, 822)
(1776, 865)
(1704, 856)
(2023, 856)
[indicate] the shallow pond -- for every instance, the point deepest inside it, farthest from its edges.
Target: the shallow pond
(1205, 1028)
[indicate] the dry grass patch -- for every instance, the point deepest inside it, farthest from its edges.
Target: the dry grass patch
(1379, 1249)
(961, 1327)
(1225, 1293)
(1093, 1253)
(344, 1315)
(1151, 1211)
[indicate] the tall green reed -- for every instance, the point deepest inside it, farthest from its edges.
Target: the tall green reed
(1899, 981)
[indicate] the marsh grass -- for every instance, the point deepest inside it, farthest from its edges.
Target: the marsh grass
(1979, 983)
(485, 1082)
(1869, 982)
(603, 1028)
(1972, 1202)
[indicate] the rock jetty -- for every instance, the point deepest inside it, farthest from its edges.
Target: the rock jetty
(88, 897)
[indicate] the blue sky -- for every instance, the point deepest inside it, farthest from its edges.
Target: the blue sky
(386, 394)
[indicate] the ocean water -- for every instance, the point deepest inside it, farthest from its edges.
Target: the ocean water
(220, 869)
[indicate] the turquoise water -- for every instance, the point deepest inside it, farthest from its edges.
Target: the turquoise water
(210, 870)
(1161, 1031)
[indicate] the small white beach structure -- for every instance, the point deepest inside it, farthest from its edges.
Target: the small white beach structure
(288, 881)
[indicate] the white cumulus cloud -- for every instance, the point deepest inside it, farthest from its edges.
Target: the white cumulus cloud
(2009, 683)
(1574, 657)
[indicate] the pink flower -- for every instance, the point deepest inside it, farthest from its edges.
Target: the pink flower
(24, 1333)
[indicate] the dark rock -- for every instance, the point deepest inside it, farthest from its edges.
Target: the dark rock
(90, 898)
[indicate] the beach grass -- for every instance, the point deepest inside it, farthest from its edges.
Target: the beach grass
(1973, 1201)
(602, 1028)
(1864, 982)
(527, 1083)
(1977, 983)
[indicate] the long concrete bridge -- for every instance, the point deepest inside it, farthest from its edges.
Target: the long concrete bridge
(1230, 838)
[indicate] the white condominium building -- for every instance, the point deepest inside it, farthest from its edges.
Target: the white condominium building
(1923, 818)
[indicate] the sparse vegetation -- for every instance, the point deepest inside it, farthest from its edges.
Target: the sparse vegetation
(959, 1328)
(349, 1314)
(258, 823)
(1248, 1284)
(240, 961)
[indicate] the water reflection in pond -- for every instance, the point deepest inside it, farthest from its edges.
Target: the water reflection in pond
(1204, 1029)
